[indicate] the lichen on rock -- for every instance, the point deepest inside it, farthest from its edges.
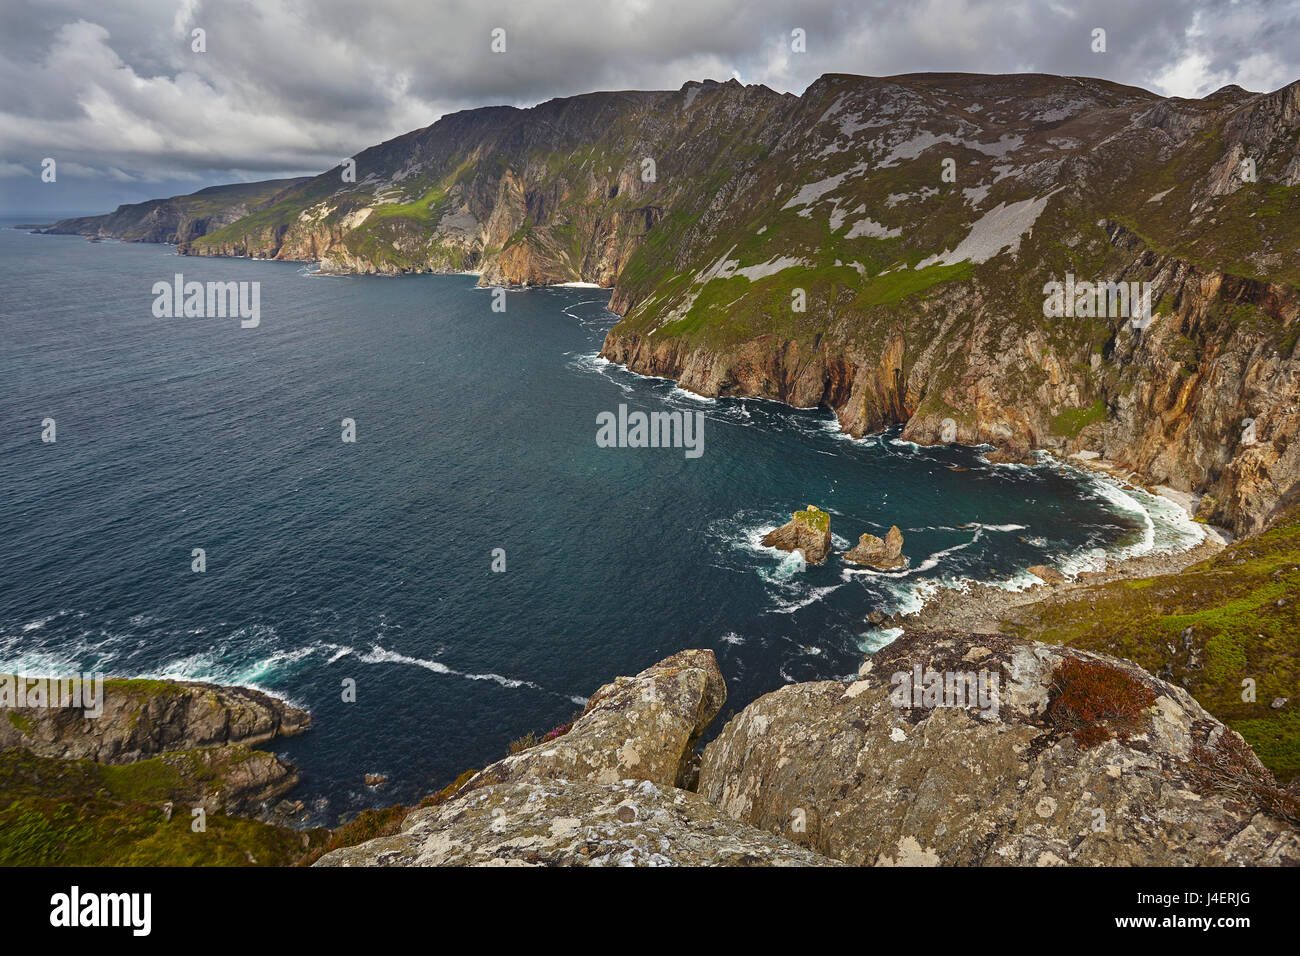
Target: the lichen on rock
(807, 531)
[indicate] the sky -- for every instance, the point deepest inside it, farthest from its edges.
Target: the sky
(118, 95)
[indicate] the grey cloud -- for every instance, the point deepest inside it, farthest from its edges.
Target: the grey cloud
(287, 88)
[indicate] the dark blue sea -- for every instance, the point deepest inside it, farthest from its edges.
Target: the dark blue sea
(372, 561)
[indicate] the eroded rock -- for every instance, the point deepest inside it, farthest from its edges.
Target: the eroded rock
(144, 718)
(883, 555)
(577, 823)
(1111, 768)
(636, 728)
(808, 531)
(1046, 574)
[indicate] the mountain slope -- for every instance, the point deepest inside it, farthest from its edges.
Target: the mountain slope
(812, 250)
(179, 218)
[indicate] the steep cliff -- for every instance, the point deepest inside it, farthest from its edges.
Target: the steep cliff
(179, 218)
(882, 247)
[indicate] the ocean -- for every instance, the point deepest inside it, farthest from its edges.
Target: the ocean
(372, 561)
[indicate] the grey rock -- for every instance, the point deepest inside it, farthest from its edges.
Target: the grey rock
(636, 728)
(873, 782)
(554, 823)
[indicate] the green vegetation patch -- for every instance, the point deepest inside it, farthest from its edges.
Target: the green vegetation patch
(1224, 628)
(1074, 420)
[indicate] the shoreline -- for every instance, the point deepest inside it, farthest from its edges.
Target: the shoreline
(978, 608)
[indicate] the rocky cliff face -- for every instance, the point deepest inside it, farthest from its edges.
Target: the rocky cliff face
(882, 247)
(180, 218)
(846, 270)
(143, 718)
(194, 741)
(1066, 757)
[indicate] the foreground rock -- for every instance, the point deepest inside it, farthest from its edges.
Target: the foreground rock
(604, 794)
(1075, 758)
(637, 728)
(144, 718)
(808, 531)
(886, 555)
(575, 824)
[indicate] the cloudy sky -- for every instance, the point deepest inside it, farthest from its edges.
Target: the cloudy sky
(115, 92)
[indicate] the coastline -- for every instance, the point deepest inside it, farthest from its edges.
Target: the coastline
(978, 608)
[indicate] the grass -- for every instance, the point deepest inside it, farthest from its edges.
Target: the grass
(1219, 628)
(814, 518)
(421, 209)
(1074, 420)
(79, 813)
(891, 288)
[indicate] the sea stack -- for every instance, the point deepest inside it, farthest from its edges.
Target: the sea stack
(886, 555)
(808, 531)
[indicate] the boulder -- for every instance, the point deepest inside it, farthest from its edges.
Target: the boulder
(1070, 757)
(1046, 574)
(808, 531)
(637, 728)
(886, 555)
(1011, 454)
(577, 823)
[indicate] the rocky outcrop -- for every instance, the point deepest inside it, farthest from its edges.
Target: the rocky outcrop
(144, 718)
(637, 728)
(1046, 574)
(808, 531)
(607, 793)
(886, 555)
(1055, 757)
(231, 780)
(174, 742)
(553, 823)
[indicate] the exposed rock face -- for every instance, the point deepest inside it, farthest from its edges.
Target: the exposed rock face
(604, 794)
(145, 718)
(232, 780)
(637, 728)
(808, 531)
(1044, 573)
(553, 823)
(1059, 175)
(885, 555)
(1077, 759)
(180, 218)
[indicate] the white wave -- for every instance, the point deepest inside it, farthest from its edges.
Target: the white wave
(873, 640)
(380, 655)
(678, 392)
(793, 563)
(731, 637)
(809, 597)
